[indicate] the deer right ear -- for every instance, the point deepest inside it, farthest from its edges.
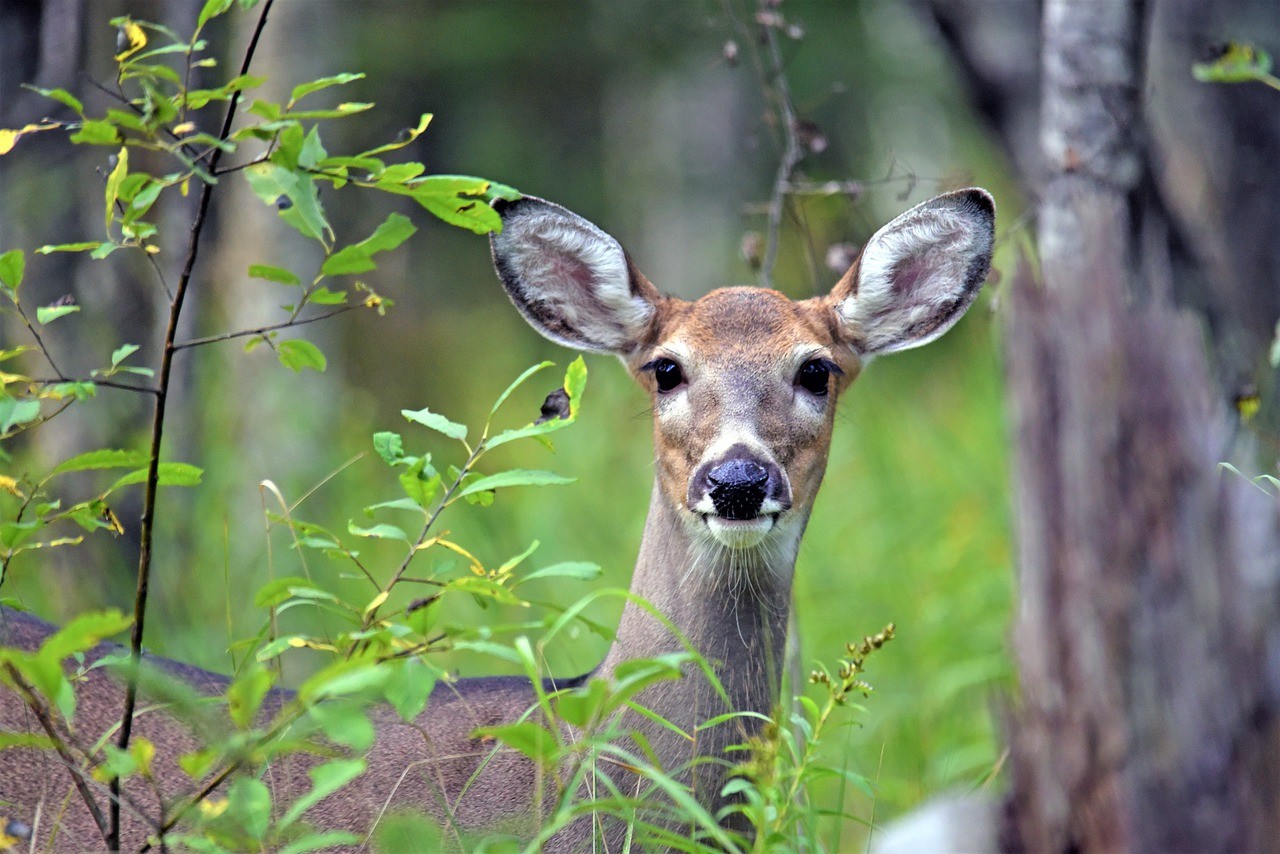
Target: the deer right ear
(570, 280)
(918, 274)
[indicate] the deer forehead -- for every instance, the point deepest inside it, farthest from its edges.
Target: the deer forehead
(741, 332)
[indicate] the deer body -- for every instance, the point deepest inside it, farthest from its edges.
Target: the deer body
(744, 383)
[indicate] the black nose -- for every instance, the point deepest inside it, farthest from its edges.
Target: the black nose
(738, 488)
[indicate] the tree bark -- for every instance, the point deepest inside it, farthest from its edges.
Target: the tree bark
(1147, 627)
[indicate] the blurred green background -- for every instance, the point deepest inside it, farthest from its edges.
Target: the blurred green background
(629, 114)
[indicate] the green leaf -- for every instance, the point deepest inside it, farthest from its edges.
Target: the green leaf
(103, 459)
(271, 182)
(323, 296)
(62, 96)
(325, 780)
(530, 738)
(305, 89)
(198, 763)
(519, 381)
(575, 382)
(568, 569)
(14, 412)
(249, 806)
(122, 352)
(583, 705)
(328, 840)
(342, 678)
(69, 247)
(378, 532)
(12, 265)
(96, 132)
(1238, 63)
(389, 446)
(211, 10)
(343, 723)
(486, 588)
(49, 313)
(274, 592)
(436, 422)
(409, 687)
(420, 487)
(472, 214)
(298, 353)
(246, 693)
(358, 258)
(273, 274)
(516, 477)
(113, 186)
(83, 633)
(168, 474)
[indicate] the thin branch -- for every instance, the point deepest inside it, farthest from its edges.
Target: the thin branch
(157, 434)
(44, 351)
(262, 330)
(46, 723)
(792, 152)
(104, 383)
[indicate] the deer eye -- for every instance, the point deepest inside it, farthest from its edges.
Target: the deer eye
(814, 376)
(666, 373)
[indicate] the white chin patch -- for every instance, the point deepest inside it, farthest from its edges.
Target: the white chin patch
(739, 534)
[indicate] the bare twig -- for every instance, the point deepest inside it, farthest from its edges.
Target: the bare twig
(59, 744)
(262, 330)
(157, 432)
(792, 152)
(104, 383)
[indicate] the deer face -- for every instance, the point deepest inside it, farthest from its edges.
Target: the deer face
(744, 381)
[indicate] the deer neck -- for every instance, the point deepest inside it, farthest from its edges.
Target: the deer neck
(732, 607)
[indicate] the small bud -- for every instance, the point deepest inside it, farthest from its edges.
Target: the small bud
(555, 406)
(752, 248)
(811, 136)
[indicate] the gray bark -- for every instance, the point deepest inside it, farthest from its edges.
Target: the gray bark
(1148, 612)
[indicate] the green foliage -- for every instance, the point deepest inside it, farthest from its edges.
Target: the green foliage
(1237, 62)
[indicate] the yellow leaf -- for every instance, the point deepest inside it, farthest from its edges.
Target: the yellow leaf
(184, 128)
(152, 249)
(185, 186)
(377, 602)
(1248, 405)
(10, 486)
(113, 521)
(213, 807)
(136, 36)
(476, 566)
(9, 137)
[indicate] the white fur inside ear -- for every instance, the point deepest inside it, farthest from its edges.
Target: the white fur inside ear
(918, 274)
(569, 278)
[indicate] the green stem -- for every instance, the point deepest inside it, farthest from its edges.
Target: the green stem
(157, 434)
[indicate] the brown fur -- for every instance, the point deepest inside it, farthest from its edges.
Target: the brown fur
(739, 349)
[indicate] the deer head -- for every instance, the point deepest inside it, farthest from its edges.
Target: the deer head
(744, 381)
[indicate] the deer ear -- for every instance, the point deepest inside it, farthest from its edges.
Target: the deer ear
(918, 274)
(570, 280)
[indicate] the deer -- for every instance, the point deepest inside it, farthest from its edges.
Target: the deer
(743, 384)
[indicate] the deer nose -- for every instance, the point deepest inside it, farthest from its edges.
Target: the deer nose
(738, 488)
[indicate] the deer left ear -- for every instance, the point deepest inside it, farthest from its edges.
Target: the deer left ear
(918, 274)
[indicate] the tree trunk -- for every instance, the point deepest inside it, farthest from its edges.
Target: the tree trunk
(1148, 604)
